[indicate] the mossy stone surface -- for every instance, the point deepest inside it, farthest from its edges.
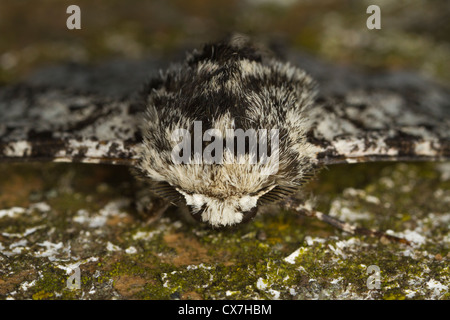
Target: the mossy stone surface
(60, 217)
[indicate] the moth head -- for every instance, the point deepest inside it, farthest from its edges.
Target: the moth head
(236, 209)
(219, 212)
(228, 192)
(219, 195)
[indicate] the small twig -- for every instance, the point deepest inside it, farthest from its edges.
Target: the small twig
(299, 206)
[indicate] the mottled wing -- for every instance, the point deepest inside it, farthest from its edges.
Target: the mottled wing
(49, 124)
(358, 118)
(389, 117)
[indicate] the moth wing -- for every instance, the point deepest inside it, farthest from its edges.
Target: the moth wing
(387, 118)
(358, 117)
(49, 124)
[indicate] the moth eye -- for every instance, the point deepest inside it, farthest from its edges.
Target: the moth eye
(249, 215)
(197, 215)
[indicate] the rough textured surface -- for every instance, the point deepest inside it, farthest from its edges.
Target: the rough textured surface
(93, 116)
(68, 216)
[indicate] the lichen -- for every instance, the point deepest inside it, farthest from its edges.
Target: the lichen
(176, 258)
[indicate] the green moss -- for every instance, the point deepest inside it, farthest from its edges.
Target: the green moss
(42, 295)
(51, 284)
(393, 296)
(176, 258)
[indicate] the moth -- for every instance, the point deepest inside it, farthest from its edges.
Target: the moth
(323, 116)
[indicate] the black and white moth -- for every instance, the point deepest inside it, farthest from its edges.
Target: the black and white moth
(230, 84)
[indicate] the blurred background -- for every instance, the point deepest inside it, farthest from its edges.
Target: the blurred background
(414, 34)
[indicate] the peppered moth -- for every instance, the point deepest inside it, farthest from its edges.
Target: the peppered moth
(75, 114)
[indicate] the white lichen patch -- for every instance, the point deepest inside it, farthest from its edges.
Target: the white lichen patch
(83, 216)
(49, 250)
(24, 286)
(294, 255)
(16, 211)
(310, 241)
(200, 266)
(437, 287)
(70, 267)
(99, 219)
(297, 262)
(169, 279)
(131, 250)
(112, 247)
(12, 212)
(413, 236)
(27, 232)
(343, 247)
(341, 208)
(144, 235)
